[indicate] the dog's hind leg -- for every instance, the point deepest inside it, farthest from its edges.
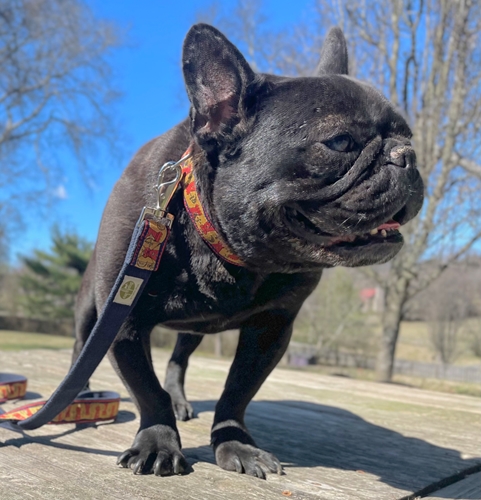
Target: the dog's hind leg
(175, 376)
(263, 341)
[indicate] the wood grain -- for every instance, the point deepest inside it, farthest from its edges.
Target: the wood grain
(337, 438)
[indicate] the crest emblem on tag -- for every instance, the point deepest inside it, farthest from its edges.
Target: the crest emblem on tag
(128, 290)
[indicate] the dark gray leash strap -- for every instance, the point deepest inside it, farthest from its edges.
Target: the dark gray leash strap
(123, 297)
(143, 257)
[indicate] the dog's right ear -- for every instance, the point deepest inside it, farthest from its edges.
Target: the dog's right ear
(217, 79)
(334, 59)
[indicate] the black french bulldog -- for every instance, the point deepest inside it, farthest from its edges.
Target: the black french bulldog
(296, 175)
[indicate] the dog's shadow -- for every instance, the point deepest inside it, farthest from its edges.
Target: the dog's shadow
(303, 434)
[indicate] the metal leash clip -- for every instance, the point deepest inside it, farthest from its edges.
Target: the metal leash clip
(168, 180)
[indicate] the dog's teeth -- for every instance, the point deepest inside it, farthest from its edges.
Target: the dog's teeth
(384, 233)
(373, 232)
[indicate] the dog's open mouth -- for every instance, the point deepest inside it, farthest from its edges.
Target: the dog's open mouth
(303, 227)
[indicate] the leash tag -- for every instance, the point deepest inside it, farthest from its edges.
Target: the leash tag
(128, 290)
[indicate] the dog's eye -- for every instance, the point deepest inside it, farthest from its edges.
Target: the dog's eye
(342, 143)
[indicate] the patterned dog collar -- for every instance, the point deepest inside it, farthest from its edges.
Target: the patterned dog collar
(199, 217)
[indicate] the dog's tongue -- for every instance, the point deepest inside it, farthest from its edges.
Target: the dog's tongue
(390, 224)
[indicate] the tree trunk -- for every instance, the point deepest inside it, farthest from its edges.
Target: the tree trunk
(395, 297)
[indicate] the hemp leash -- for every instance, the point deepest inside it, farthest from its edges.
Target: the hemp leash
(88, 407)
(146, 247)
(12, 386)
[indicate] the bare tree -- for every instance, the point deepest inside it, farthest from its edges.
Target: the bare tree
(474, 338)
(55, 94)
(446, 312)
(426, 58)
(425, 55)
(287, 51)
(331, 318)
(443, 333)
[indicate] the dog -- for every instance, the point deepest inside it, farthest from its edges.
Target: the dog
(295, 175)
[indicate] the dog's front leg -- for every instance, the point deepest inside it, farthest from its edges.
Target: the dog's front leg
(263, 341)
(156, 447)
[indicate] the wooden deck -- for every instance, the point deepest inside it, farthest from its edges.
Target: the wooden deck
(337, 439)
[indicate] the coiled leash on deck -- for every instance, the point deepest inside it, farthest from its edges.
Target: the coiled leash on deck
(88, 407)
(12, 386)
(143, 258)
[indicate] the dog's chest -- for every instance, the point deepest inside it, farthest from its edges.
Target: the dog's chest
(207, 297)
(203, 297)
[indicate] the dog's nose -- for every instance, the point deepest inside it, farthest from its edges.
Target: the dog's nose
(403, 156)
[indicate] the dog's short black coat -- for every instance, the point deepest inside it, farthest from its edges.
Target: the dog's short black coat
(295, 174)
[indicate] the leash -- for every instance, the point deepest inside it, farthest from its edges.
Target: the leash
(146, 247)
(90, 406)
(12, 386)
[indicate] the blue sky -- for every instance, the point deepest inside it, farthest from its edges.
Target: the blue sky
(147, 72)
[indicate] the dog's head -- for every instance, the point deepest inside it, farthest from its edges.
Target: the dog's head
(298, 173)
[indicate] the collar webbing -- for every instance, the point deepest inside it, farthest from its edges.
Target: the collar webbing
(200, 218)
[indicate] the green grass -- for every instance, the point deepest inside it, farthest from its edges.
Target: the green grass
(413, 344)
(430, 384)
(18, 341)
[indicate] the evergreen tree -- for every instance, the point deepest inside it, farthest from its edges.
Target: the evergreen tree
(51, 280)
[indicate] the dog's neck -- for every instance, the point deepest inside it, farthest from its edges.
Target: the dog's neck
(199, 217)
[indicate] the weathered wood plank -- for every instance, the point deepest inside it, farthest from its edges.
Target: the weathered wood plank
(337, 438)
(467, 489)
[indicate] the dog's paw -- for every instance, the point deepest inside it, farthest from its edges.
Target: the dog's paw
(183, 410)
(155, 450)
(246, 459)
(165, 462)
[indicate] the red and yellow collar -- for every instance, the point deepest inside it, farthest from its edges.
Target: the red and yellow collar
(200, 219)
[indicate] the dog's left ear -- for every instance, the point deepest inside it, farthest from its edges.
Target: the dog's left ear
(334, 59)
(217, 79)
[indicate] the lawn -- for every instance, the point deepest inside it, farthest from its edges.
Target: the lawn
(17, 341)
(430, 384)
(413, 344)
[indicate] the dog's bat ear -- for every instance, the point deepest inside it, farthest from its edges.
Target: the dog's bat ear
(334, 59)
(217, 78)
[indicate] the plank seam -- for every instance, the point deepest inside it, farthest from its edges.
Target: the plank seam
(443, 483)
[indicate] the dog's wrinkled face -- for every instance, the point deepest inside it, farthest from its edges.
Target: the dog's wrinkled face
(316, 171)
